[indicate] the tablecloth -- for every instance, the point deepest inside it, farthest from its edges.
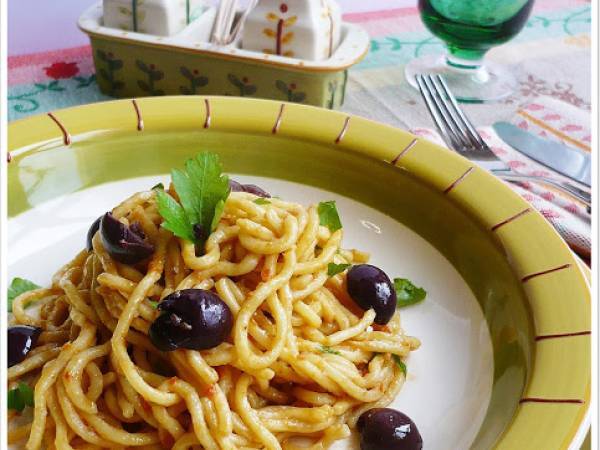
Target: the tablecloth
(50, 62)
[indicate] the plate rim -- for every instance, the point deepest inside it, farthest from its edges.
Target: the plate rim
(500, 210)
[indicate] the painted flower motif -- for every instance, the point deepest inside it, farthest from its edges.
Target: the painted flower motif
(572, 208)
(525, 185)
(549, 214)
(539, 173)
(534, 107)
(548, 196)
(528, 197)
(515, 164)
(60, 70)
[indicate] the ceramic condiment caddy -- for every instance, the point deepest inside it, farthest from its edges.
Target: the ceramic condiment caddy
(133, 64)
(305, 29)
(157, 17)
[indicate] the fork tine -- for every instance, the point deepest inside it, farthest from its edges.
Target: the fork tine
(472, 133)
(447, 133)
(449, 115)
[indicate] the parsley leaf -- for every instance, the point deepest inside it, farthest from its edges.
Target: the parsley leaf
(202, 189)
(328, 216)
(407, 293)
(334, 269)
(158, 186)
(17, 287)
(153, 304)
(175, 219)
(325, 349)
(400, 363)
(20, 397)
(262, 201)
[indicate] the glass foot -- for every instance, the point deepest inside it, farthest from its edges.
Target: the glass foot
(476, 84)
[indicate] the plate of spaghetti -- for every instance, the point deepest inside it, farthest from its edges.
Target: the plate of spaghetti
(214, 273)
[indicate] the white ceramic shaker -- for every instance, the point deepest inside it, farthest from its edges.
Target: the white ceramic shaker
(303, 29)
(157, 17)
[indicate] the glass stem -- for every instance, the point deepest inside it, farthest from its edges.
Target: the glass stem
(461, 58)
(469, 62)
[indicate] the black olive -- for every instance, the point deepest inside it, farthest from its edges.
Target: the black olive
(371, 288)
(249, 188)
(234, 186)
(91, 232)
(388, 429)
(124, 244)
(21, 339)
(254, 189)
(192, 318)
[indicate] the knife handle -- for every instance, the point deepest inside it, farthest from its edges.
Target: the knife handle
(578, 193)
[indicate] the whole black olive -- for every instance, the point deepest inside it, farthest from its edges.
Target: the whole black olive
(91, 232)
(192, 318)
(249, 188)
(234, 186)
(21, 339)
(124, 244)
(388, 429)
(371, 288)
(254, 189)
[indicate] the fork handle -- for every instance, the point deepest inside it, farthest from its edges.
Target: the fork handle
(568, 188)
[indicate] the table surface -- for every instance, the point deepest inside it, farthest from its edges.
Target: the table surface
(550, 57)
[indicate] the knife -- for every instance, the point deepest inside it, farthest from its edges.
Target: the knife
(570, 162)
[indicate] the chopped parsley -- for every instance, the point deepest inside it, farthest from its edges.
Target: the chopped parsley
(326, 349)
(407, 293)
(202, 189)
(328, 216)
(20, 397)
(334, 269)
(400, 363)
(17, 287)
(262, 201)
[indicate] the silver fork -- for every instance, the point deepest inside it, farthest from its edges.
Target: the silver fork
(461, 136)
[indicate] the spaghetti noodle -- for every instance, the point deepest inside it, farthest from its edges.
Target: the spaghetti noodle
(301, 365)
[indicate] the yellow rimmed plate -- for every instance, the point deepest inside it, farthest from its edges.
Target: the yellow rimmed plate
(505, 361)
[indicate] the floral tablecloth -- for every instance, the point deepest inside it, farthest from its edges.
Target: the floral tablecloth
(551, 57)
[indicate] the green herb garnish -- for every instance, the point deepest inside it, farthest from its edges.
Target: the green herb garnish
(400, 364)
(20, 397)
(334, 269)
(158, 186)
(262, 201)
(326, 349)
(153, 304)
(328, 216)
(407, 293)
(17, 287)
(202, 189)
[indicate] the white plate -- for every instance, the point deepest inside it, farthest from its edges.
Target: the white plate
(449, 378)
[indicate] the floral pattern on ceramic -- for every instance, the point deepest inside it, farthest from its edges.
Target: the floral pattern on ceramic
(195, 81)
(243, 84)
(305, 29)
(280, 35)
(291, 91)
(106, 66)
(156, 71)
(157, 17)
(153, 75)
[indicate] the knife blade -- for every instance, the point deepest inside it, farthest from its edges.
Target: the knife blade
(570, 162)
